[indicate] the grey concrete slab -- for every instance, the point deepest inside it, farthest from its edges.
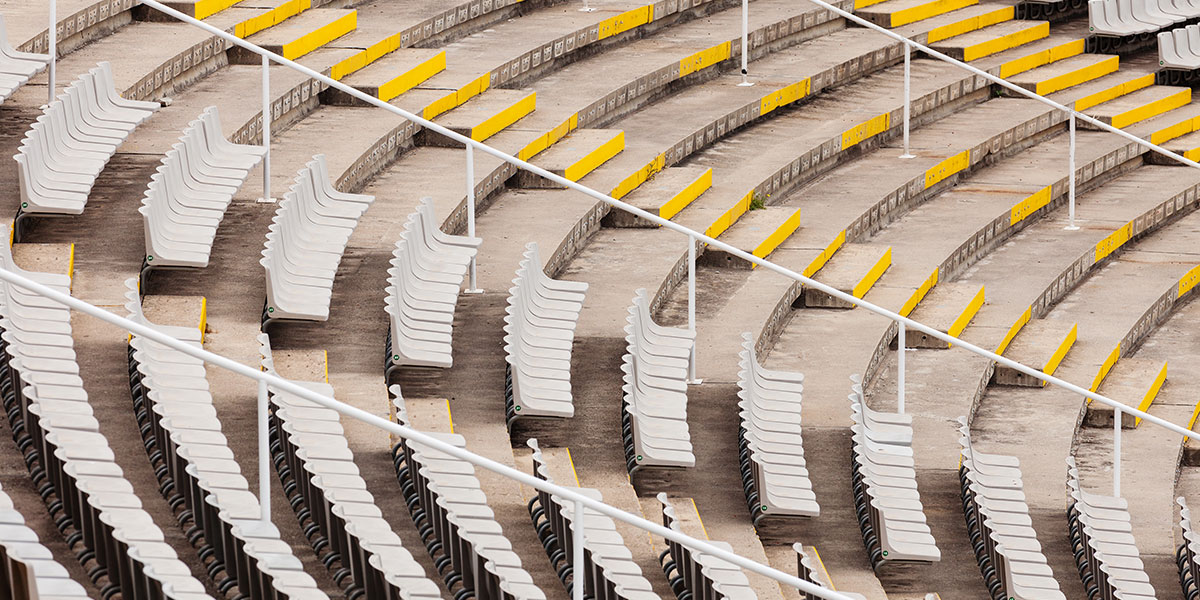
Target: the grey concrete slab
(294, 31)
(1083, 64)
(954, 46)
(1140, 104)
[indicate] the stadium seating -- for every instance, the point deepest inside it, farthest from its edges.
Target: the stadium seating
(68, 146)
(809, 569)
(1180, 48)
(453, 517)
(772, 453)
(1102, 537)
(539, 327)
(28, 570)
(700, 574)
(16, 67)
(1006, 546)
(654, 414)
(428, 267)
(305, 244)
(1122, 18)
(889, 507)
(193, 460)
(1187, 556)
(608, 572)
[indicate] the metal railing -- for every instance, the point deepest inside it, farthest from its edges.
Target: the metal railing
(693, 236)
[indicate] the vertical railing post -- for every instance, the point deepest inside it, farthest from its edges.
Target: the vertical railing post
(578, 572)
(586, 8)
(266, 128)
(907, 95)
(745, 43)
(53, 51)
(472, 287)
(692, 379)
(1071, 226)
(900, 368)
(264, 455)
(1117, 452)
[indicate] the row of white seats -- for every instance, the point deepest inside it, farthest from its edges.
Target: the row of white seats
(311, 451)
(774, 475)
(197, 470)
(28, 570)
(1105, 551)
(1187, 555)
(69, 458)
(1001, 530)
(1180, 48)
(70, 143)
(885, 487)
(654, 423)
(190, 191)
(810, 569)
(305, 243)
(16, 67)
(609, 571)
(702, 575)
(428, 268)
(539, 328)
(1122, 18)
(455, 519)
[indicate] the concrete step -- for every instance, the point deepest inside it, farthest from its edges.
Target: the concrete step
(1140, 105)
(177, 311)
(251, 17)
(394, 74)
(485, 116)
(1065, 73)
(1186, 145)
(1063, 42)
(667, 193)
(201, 9)
(966, 20)
(1136, 382)
(993, 39)
(895, 13)
(580, 153)
(1042, 343)
(857, 269)
(761, 231)
(1175, 124)
(303, 33)
(1103, 89)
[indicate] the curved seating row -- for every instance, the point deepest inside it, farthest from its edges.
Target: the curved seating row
(189, 193)
(774, 475)
(28, 570)
(312, 457)
(1180, 48)
(1187, 556)
(1102, 538)
(16, 67)
(701, 574)
(809, 569)
(70, 460)
(654, 423)
(609, 572)
(70, 143)
(539, 328)
(199, 474)
(305, 243)
(452, 514)
(885, 487)
(1120, 18)
(428, 268)
(1006, 546)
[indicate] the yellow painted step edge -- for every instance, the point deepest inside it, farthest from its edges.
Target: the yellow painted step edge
(1042, 57)
(204, 9)
(947, 167)
(1021, 37)
(271, 18)
(826, 254)
(687, 195)
(968, 313)
(1061, 351)
(1190, 280)
(595, 158)
(1014, 330)
(865, 284)
(1171, 132)
(1029, 205)
(777, 237)
(1152, 109)
(321, 36)
(1105, 367)
(1078, 76)
(974, 23)
(1152, 393)
(1116, 91)
(919, 294)
(926, 11)
(413, 77)
(498, 122)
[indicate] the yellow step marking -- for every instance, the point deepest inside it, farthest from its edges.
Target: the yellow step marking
(203, 314)
(1007, 42)
(947, 167)
(1014, 330)
(1195, 415)
(865, 284)
(1061, 351)
(927, 10)
(1029, 205)
(729, 217)
(1152, 109)
(1078, 76)
(687, 195)
(323, 35)
(639, 177)
(1152, 393)
(1114, 241)
(784, 96)
(365, 57)
(1171, 132)
(457, 97)
(865, 130)
(271, 18)
(919, 295)
(626, 21)
(549, 138)
(595, 158)
(777, 237)
(1104, 369)
(574, 473)
(826, 254)
(968, 313)
(974, 23)
(204, 9)
(413, 77)
(704, 59)
(497, 122)
(1042, 57)
(1116, 91)
(1188, 281)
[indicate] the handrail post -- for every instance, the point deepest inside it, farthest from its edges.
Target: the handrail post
(264, 455)
(472, 287)
(53, 51)
(577, 570)
(586, 8)
(907, 96)
(900, 368)
(1116, 452)
(745, 44)
(266, 129)
(1071, 226)
(692, 379)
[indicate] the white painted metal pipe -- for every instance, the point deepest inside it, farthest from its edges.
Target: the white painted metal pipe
(53, 32)
(266, 126)
(745, 43)
(692, 307)
(907, 96)
(578, 572)
(264, 454)
(472, 287)
(1071, 176)
(900, 369)
(1116, 452)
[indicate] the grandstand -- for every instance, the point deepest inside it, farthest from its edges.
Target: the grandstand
(603, 299)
